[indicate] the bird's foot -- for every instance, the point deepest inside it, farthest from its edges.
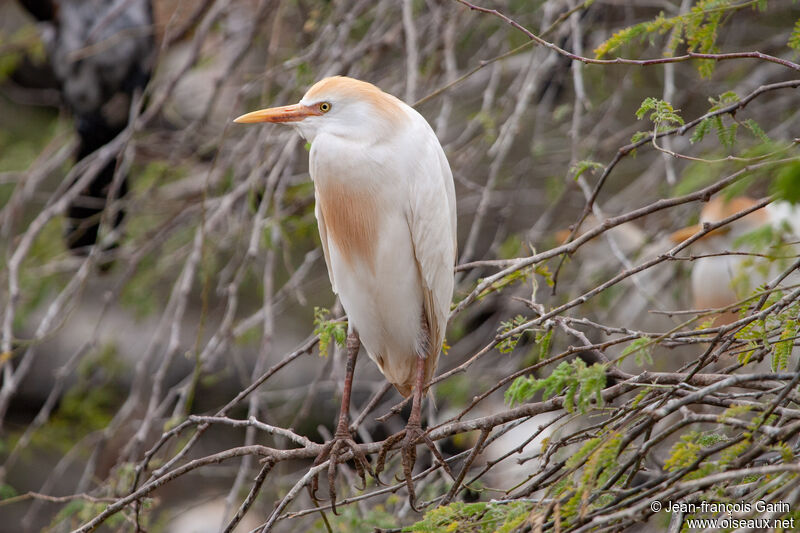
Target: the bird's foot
(334, 452)
(410, 436)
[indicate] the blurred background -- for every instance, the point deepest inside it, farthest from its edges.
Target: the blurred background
(158, 258)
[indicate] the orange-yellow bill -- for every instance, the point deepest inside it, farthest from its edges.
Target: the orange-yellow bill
(287, 113)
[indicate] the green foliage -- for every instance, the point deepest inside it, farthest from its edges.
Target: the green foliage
(582, 166)
(576, 459)
(89, 404)
(758, 331)
(698, 30)
(601, 459)
(512, 278)
(783, 348)
(350, 519)
(479, 517)
(734, 411)
(508, 344)
(34, 286)
(156, 173)
(756, 130)
(456, 389)
(725, 134)
(543, 340)
(758, 239)
(787, 454)
(683, 452)
(662, 114)
(640, 347)
(511, 247)
(700, 131)
(80, 511)
(24, 42)
(328, 330)
(139, 294)
(733, 452)
(697, 175)
(578, 382)
(659, 25)
(794, 39)
(786, 185)
(7, 491)
(687, 450)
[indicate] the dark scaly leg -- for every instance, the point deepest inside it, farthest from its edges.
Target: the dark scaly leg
(412, 433)
(342, 440)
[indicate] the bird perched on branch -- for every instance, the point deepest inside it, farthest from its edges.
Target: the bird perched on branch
(729, 251)
(386, 210)
(101, 52)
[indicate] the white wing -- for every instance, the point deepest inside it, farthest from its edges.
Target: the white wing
(432, 222)
(323, 237)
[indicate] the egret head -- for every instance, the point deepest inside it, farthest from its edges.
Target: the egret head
(338, 106)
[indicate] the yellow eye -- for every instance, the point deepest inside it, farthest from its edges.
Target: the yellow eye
(324, 107)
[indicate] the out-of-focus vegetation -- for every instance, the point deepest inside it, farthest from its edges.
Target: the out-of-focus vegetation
(190, 363)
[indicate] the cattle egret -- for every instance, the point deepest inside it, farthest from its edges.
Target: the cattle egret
(715, 278)
(386, 210)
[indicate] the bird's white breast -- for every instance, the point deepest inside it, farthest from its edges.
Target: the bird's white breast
(363, 200)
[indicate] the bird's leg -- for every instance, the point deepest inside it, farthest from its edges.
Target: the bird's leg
(410, 435)
(342, 440)
(408, 450)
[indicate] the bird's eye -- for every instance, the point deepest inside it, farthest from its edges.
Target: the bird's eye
(324, 107)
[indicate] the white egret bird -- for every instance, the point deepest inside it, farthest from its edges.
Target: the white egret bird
(386, 210)
(715, 278)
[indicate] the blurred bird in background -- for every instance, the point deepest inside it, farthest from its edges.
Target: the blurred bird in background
(102, 52)
(719, 281)
(386, 210)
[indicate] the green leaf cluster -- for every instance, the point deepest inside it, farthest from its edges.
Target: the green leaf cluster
(543, 340)
(794, 38)
(758, 332)
(328, 330)
(508, 344)
(698, 30)
(687, 450)
(578, 382)
(583, 166)
(478, 517)
(662, 114)
(640, 347)
(506, 281)
(783, 348)
(651, 28)
(786, 184)
(351, 519)
(600, 458)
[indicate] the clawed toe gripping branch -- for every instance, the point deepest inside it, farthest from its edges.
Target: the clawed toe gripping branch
(335, 452)
(410, 437)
